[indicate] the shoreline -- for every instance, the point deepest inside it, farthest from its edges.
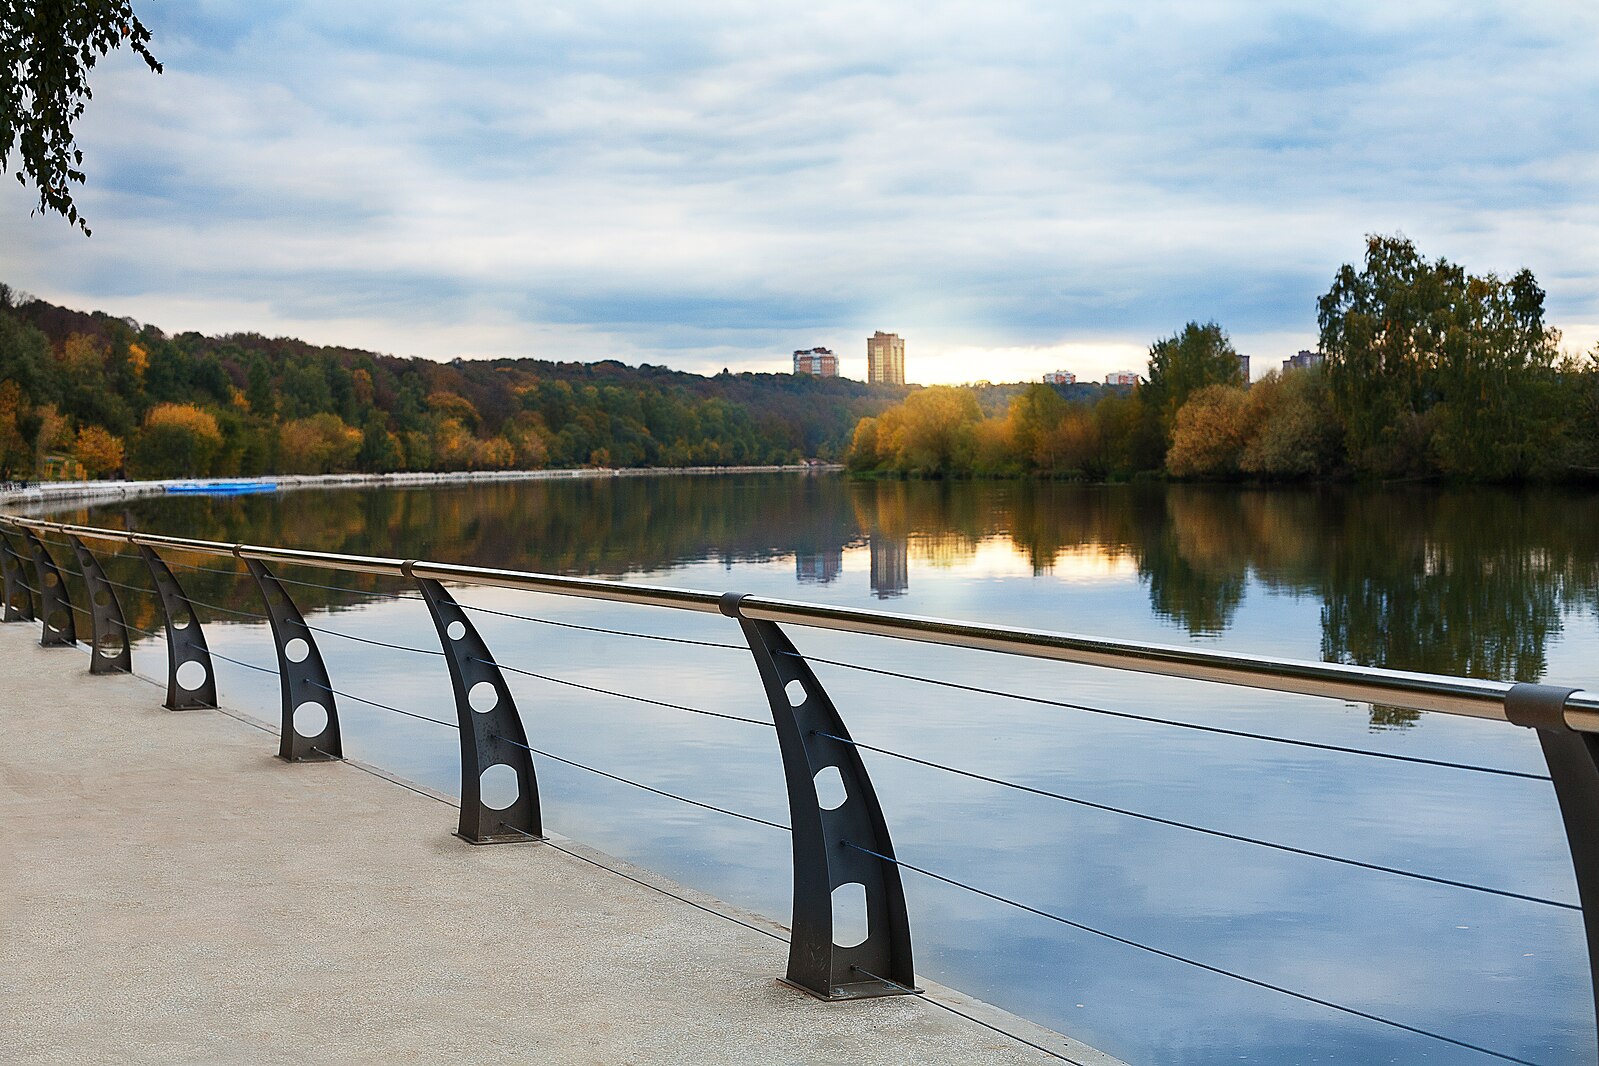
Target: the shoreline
(56, 492)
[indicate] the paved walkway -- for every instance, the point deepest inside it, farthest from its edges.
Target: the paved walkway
(170, 892)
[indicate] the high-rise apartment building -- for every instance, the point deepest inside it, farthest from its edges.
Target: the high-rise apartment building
(1060, 377)
(817, 362)
(885, 359)
(1243, 366)
(1303, 361)
(1121, 377)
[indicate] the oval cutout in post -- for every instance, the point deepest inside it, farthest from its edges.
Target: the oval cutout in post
(192, 675)
(310, 720)
(830, 790)
(483, 697)
(498, 788)
(849, 915)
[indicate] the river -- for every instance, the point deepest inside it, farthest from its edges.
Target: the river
(1489, 583)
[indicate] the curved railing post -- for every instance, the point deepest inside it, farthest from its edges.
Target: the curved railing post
(19, 600)
(491, 729)
(310, 730)
(191, 679)
(111, 652)
(59, 628)
(806, 723)
(1573, 761)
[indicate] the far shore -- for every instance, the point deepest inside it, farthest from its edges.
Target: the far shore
(47, 493)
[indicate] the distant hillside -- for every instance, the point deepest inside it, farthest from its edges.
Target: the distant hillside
(87, 394)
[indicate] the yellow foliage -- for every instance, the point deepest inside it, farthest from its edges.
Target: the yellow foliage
(184, 416)
(82, 353)
(99, 451)
(321, 444)
(1210, 432)
(138, 359)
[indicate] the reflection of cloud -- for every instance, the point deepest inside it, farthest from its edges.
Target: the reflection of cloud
(1085, 564)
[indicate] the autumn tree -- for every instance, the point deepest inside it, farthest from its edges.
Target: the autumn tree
(99, 452)
(176, 440)
(1294, 433)
(320, 444)
(1184, 363)
(1209, 433)
(16, 455)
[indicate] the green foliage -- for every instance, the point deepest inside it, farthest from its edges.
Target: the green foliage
(1433, 369)
(46, 52)
(1294, 431)
(1184, 363)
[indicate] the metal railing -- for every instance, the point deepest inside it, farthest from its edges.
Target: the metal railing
(835, 844)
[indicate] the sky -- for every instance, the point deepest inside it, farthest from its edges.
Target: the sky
(1013, 187)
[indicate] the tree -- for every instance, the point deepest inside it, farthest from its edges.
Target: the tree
(381, 452)
(1294, 431)
(177, 440)
(16, 457)
(1210, 433)
(320, 444)
(1184, 363)
(46, 52)
(1434, 368)
(98, 451)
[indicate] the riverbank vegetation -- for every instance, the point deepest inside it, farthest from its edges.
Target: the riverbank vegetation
(89, 395)
(1429, 372)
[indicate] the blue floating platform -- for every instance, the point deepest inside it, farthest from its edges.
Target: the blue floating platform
(221, 488)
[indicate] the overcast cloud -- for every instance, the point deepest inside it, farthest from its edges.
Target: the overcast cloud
(1012, 186)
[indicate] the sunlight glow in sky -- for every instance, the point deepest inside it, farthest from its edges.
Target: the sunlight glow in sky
(1014, 187)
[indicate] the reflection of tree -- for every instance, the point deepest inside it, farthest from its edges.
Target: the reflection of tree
(1195, 556)
(1467, 582)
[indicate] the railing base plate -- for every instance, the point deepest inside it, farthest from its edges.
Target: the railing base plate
(503, 838)
(309, 758)
(854, 990)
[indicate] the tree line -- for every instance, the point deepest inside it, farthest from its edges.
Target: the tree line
(91, 395)
(1428, 371)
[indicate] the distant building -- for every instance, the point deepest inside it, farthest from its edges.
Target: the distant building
(1060, 377)
(1121, 377)
(817, 362)
(1304, 360)
(818, 568)
(885, 359)
(1243, 364)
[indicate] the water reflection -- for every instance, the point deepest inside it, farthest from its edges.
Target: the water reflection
(1472, 582)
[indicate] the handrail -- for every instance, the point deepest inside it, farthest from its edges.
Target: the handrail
(1470, 697)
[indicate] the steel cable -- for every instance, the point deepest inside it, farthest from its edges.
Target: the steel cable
(381, 706)
(623, 695)
(646, 788)
(1305, 997)
(1202, 829)
(601, 629)
(368, 640)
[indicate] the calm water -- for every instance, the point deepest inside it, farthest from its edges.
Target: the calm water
(1487, 583)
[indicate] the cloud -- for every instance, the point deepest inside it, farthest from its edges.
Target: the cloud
(718, 183)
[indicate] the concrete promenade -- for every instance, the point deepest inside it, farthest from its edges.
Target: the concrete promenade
(171, 892)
